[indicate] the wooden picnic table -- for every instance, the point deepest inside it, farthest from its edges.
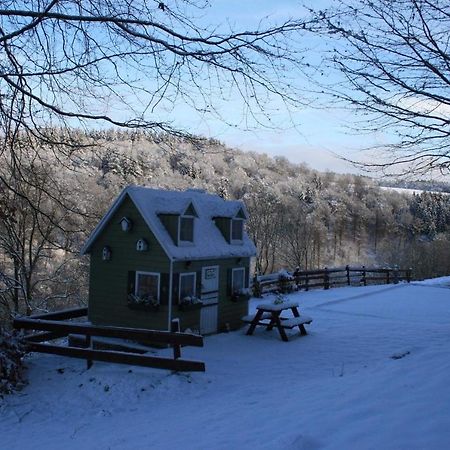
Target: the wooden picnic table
(269, 316)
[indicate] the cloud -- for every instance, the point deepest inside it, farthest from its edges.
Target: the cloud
(427, 106)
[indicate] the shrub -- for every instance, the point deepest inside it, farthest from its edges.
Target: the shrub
(11, 362)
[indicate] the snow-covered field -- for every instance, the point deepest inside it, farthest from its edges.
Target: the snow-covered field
(410, 191)
(373, 373)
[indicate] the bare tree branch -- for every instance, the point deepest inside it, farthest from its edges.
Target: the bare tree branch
(393, 62)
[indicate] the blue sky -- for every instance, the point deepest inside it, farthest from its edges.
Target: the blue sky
(304, 134)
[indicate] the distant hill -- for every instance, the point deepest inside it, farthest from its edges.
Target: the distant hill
(298, 216)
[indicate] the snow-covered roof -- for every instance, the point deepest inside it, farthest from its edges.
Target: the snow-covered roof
(208, 239)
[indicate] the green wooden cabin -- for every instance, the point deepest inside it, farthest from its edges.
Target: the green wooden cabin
(158, 255)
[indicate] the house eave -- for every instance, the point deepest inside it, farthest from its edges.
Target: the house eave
(107, 217)
(103, 222)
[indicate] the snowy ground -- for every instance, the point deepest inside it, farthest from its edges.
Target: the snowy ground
(373, 373)
(410, 191)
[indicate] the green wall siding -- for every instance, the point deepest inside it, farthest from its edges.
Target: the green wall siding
(108, 286)
(230, 313)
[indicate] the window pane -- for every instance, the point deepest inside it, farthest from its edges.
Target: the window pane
(187, 286)
(187, 229)
(238, 280)
(147, 287)
(236, 230)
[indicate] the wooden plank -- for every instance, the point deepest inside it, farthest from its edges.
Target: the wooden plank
(137, 334)
(249, 318)
(88, 344)
(295, 321)
(338, 282)
(119, 357)
(62, 315)
(311, 277)
(175, 328)
(277, 322)
(375, 278)
(254, 322)
(339, 277)
(311, 285)
(77, 340)
(43, 336)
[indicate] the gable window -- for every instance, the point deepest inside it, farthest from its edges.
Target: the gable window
(187, 285)
(186, 229)
(125, 224)
(237, 280)
(147, 286)
(141, 245)
(237, 229)
(106, 253)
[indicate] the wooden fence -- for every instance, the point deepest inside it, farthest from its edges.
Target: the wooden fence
(54, 325)
(327, 278)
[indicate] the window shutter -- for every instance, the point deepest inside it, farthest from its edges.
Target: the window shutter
(229, 276)
(247, 275)
(175, 286)
(198, 283)
(164, 289)
(131, 282)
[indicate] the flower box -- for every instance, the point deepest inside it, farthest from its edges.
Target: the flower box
(143, 306)
(189, 306)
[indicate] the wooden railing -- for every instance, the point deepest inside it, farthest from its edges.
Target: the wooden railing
(54, 325)
(327, 278)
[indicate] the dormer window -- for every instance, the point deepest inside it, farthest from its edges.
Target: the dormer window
(237, 229)
(125, 224)
(186, 227)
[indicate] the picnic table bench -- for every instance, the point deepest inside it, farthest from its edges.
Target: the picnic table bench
(269, 316)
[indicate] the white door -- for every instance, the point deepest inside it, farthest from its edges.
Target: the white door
(210, 299)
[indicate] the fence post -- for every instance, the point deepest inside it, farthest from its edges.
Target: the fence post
(175, 328)
(296, 276)
(364, 275)
(395, 273)
(326, 279)
(408, 274)
(347, 268)
(388, 272)
(306, 282)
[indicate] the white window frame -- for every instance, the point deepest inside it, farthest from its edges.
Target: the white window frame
(187, 243)
(157, 274)
(232, 277)
(184, 274)
(236, 241)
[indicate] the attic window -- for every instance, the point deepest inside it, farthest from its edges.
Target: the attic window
(186, 229)
(141, 245)
(106, 253)
(237, 229)
(125, 224)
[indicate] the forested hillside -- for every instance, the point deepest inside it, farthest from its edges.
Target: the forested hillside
(298, 216)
